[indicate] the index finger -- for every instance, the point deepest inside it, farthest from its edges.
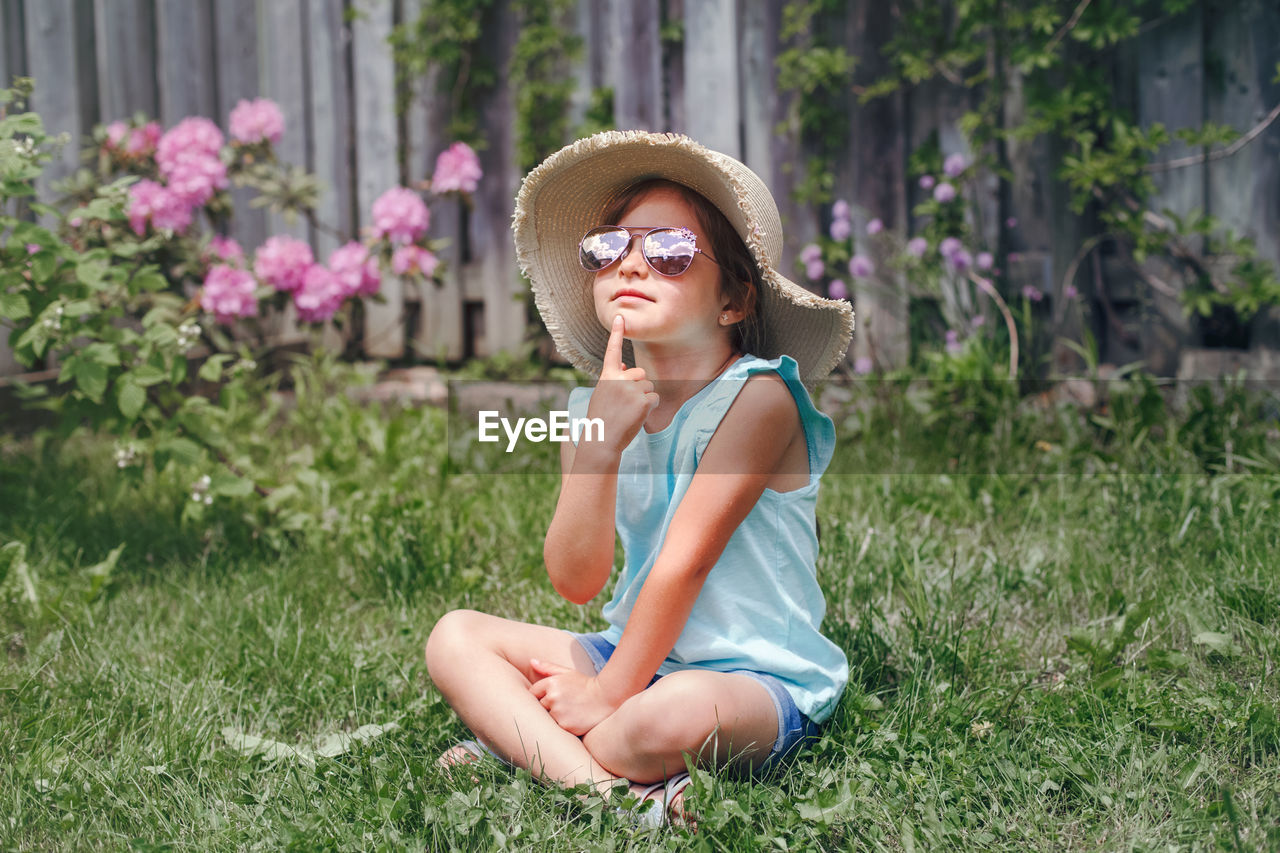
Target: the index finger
(613, 350)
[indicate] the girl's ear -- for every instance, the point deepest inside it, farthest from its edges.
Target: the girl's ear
(731, 312)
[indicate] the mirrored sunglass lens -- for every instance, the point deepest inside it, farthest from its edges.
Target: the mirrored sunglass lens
(669, 252)
(602, 247)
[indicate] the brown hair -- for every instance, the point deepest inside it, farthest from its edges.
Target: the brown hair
(740, 278)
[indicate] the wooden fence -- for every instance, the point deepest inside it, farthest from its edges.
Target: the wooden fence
(329, 66)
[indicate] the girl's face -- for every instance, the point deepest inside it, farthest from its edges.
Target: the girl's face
(665, 310)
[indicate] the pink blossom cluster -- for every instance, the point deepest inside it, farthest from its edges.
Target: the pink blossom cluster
(400, 215)
(457, 169)
(282, 262)
(414, 260)
(154, 203)
(127, 141)
(256, 121)
(356, 271)
(188, 158)
(811, 257)
(860, 266)
(841, 224)
(228, 293)
(226, 250)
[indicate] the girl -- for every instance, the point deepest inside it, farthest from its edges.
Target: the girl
(652, 251)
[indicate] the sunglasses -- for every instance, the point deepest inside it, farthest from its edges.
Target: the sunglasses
(667, 250)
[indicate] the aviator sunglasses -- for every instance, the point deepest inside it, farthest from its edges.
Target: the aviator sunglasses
(667, 250)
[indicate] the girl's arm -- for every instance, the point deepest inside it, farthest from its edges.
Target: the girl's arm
(578, 550)
(749, 447)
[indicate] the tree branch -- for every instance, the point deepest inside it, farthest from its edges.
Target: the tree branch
(1229, 151)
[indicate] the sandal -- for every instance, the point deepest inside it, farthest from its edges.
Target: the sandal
(659, 815)
(465, 752)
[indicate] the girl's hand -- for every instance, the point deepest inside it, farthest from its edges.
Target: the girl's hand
(574, 700)
(623, 397)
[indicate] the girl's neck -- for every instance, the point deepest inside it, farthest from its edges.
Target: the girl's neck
(678, 374)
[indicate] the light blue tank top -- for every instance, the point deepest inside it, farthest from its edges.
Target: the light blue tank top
(761, 605)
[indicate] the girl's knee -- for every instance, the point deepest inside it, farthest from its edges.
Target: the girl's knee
(452, 635)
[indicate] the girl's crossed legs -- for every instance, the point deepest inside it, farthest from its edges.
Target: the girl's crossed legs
(480, 663)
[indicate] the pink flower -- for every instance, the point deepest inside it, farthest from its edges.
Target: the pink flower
(116, 132)
(355, 271)
(949, 246)
(253, 121)
(283, 262)
(228, 293)
(860, 266)
(1011, 222)
(143, 140)
(810, 253)
(978, 321)
(985, 260)
(927, 182)
(814, 269)
(954, 347)
(32, 248)
(837, 290)
(841, 229)
(960, 259)
(408, 260)
(944, 192)
(917, 246)
(862, 365)
(400, 215)
(195, 179)
(1070, 292)
(226, 249)
(954, 165)
(320, 295)
(875, 226)
(151, 202)
(1032, 293)
(457, 168)
(840, 210)
(1014, 257)
(193, 137)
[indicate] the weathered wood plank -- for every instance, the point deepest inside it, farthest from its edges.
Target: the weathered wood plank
(1171, 92)
(236, 58)
(493, 273)
(1244, 189)
(126, 58)
(376, 167)
(184, 60)
(633, 63)
(438, 332)
(50, 40)
(328, 38)
(283, 61)
(713, 115)
(877, 168)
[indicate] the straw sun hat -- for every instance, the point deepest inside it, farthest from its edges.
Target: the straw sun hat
(567, 194)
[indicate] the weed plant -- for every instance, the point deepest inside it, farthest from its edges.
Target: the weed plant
(1062, 629)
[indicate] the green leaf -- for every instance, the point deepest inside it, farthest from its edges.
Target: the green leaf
(91, 379)
(211, 370)
(100, 575)
(43, 265)
(183, 450)
(130, 397)
(229, 485)
(1216, 642)
(102, 353)
(150, 282)
(91, 270)
(147, 375)
(14, 306)
(13, 558)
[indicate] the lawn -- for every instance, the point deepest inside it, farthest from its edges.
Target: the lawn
(1063, 633)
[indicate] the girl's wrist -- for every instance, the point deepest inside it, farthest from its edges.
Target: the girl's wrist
(595, 458)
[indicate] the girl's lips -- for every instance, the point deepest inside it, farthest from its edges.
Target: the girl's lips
(635, 294)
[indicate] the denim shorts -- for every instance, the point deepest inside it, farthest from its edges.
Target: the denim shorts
(794, 728)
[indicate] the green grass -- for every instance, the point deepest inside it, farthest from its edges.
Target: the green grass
(1077, 654)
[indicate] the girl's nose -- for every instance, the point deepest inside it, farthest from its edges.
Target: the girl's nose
(633, 263)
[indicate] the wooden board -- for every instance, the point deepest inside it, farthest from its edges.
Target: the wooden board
(184, 60)
(376, 165)
(126, 58)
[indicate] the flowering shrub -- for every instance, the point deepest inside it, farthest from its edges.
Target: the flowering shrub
(135, 279)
